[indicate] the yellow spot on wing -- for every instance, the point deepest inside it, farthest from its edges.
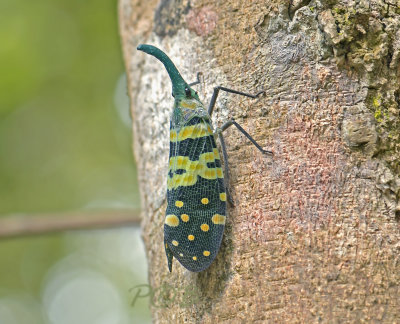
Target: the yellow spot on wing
(204, 227)
(218, 219)
(195, 167)
(208, 157)
(205, 201)
(222, 196)
(185, 217)
(176, 243)
(195, 258)
(188, 180)
(181, 161)
(185, 132)
(210, 174)
(190, 237)
(206, 253)
(172, 220)
(178, 203)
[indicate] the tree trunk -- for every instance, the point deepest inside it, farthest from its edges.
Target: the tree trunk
(314, 233)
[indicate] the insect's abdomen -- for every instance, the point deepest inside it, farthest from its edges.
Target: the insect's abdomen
(196, 212)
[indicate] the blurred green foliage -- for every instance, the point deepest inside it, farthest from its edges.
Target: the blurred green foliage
(65, 144)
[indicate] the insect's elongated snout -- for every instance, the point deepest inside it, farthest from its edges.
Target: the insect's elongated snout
(178, 83)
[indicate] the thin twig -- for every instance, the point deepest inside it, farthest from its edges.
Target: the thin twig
(27, 224)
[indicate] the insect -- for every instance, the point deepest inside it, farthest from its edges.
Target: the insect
(196, 193)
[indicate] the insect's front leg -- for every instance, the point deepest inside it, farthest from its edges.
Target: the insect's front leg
(216, 92)
(218, 132)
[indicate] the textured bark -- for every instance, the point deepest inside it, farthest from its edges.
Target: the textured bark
(314, 234)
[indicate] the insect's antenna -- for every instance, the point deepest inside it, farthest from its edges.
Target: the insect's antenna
(178, 83)
(198, 81)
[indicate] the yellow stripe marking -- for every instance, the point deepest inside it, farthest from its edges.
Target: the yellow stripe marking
(208, 157)
(192, 131)
(172, 136)
(193, 169)
(216, 153)
(210, 174)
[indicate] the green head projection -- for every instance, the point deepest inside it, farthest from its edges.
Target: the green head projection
(180, 88)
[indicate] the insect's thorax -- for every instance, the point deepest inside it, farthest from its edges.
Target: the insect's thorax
(186, 109)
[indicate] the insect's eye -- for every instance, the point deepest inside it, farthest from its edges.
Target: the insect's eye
(196, 93)
(187, 92)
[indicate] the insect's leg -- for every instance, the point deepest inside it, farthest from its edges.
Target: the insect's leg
(169, 254)
(228, 124)
(216, 92)
(225, 154)
(226, 167)
(199, 74)
(240, 128)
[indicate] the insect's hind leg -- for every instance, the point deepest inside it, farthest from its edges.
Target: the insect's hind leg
(226, 167)
(225, 154)
(228, 124)
(240, 128)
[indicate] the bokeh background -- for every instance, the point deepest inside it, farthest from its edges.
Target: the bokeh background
(65, 145)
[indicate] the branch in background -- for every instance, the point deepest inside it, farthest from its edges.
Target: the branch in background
(27, 224)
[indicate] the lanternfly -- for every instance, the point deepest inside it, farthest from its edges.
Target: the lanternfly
(196, 193)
